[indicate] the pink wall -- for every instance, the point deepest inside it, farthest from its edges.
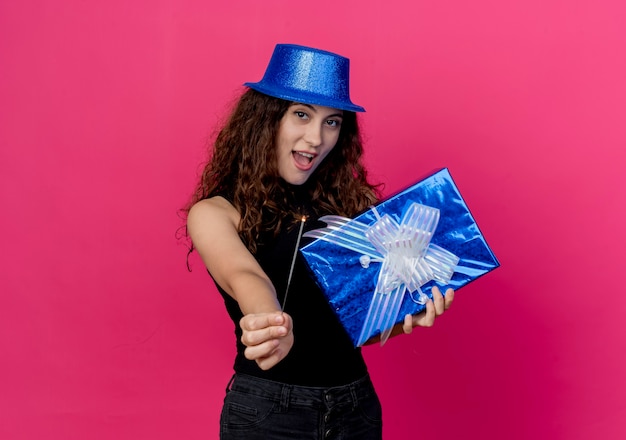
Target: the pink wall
(104, 110)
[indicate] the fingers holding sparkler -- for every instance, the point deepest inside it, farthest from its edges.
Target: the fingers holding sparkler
(268, 337)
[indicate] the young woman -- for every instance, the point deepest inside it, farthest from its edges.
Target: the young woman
(289, 152)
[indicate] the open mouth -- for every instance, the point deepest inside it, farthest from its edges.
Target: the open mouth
(303, 158)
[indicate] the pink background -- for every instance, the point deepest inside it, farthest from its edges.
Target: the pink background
(104, 111)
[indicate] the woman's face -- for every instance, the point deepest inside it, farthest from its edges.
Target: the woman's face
(307, 133)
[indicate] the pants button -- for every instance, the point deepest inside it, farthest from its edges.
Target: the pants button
(326, 417)
(328, 433)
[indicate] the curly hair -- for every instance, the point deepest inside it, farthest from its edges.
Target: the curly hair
(242, 165)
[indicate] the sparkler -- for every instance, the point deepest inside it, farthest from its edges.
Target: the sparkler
(293, 260)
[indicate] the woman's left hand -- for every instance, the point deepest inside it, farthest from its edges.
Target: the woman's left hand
(434, 308)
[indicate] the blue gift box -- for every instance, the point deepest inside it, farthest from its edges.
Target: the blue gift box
(352, 285)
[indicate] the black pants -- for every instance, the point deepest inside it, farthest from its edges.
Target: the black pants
(261, 409)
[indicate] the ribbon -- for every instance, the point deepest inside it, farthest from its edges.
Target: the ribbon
(409, 260)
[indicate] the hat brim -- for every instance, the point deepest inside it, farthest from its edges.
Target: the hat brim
(304, 97)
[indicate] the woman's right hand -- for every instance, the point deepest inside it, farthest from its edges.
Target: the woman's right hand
(267, 332)
(268, 337)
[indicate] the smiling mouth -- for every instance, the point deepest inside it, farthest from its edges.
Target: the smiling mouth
(303, 158)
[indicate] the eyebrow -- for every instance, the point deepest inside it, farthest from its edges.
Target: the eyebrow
(315, 110)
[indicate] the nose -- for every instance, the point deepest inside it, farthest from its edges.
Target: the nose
(313, 135)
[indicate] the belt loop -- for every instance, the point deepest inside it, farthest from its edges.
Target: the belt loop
(284, 398)
(230, 382)
(355, 399)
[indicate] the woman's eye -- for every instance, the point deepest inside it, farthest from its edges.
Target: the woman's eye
(332, 123)
(300, 114)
